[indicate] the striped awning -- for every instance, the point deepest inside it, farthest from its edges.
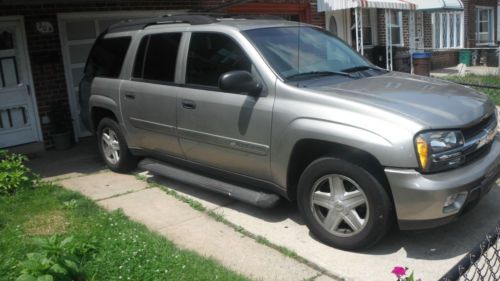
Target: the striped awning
(438, 5)
(334, 5)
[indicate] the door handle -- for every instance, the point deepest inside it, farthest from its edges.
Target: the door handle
(130, 96)
(188, 104)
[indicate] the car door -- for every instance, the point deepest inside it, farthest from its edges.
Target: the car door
(148, 99)
(223, 130)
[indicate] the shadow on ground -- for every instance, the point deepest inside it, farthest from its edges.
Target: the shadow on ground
(433, 251)
(81, 159)
(445, 242)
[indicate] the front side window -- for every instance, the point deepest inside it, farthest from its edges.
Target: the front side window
(447, 30)
(156, 57)
(106, 57)
(293, 50)
(397, 28)
(211, 55)
(484, 25)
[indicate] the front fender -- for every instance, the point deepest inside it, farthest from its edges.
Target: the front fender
(387, 152)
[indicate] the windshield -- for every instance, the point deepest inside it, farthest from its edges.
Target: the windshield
(293, 51)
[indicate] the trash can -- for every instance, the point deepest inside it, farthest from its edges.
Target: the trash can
(464, 56)
(422, 63)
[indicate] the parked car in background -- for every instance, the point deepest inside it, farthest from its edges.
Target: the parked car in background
(256, 108)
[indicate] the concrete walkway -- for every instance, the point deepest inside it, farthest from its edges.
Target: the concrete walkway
(430, 253)
(476, 70)
(188, 228)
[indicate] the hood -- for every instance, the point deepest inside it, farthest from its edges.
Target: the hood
(431, 102)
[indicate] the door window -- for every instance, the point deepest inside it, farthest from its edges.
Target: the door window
(210, 56)
(157, 56)
(106, 58)
(9, 76)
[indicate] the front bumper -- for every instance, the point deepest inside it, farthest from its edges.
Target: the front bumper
(419, 198)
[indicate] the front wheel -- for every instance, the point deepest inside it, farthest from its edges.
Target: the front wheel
(113, 147)
(343, 204)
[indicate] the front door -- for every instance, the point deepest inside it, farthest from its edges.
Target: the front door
(18, 122)
(223, 130)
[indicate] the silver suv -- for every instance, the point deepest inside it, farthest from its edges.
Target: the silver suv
(260, 109)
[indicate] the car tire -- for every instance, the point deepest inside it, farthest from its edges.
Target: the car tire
(113, 147)
(341, 219)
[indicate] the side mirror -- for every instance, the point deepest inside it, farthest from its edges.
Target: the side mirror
(240, 82)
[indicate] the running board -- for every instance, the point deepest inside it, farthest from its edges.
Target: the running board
(258, 198)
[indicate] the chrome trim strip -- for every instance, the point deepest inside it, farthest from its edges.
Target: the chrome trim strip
(235, 144)
(152, 126)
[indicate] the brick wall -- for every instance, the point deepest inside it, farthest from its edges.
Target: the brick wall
(45, 49)
(443, 59)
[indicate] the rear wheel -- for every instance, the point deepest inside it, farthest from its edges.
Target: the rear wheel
(343, 204)
(113, 147)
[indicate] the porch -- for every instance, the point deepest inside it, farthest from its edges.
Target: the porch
(387, 32)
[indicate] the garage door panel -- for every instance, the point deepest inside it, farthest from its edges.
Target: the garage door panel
(80, 30)
(79, 53)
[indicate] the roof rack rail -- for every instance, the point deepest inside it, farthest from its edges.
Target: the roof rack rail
(256, 17)
(135, 24)
(193, 18)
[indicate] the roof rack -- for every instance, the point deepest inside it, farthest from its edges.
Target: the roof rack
(191, 18)
(136, 24)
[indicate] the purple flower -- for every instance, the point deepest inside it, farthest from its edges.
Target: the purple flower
(399, 271)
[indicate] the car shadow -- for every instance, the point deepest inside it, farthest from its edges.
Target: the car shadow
(445, 242)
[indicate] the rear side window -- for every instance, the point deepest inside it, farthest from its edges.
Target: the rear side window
(106, 58)
(157, 56)
(210, 56)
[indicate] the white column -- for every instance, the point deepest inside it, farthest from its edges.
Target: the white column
(388, 39)
(358, 19)
(411, 27)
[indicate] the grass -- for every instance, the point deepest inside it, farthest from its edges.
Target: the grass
(491, 80)
(125, 250)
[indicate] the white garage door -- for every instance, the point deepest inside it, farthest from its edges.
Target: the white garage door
(78, 33)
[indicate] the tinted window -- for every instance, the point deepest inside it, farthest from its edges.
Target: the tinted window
(157, 56)
(210, 56)
(106, 58)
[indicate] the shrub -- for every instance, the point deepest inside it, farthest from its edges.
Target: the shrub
(14, 175)
(57, 259)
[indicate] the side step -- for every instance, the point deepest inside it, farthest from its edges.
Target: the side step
(258, 198)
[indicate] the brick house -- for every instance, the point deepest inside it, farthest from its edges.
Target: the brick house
(44, 45)
(443, 33)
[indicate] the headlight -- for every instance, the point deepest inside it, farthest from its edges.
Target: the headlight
(439, 150)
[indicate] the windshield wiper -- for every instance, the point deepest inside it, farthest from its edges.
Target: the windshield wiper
(319, 73)
(361, 68)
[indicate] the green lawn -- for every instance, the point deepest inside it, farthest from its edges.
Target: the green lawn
(481, 80)
(125, 250)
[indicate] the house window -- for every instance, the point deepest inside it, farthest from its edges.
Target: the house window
(367, 27)
(397, 28)
(447, 29)
(484, 25)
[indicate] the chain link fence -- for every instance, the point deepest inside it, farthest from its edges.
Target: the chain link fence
(482, 263)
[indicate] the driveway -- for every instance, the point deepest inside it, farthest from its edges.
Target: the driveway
(430, 253)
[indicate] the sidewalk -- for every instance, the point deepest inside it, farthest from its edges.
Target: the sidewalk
(476, 70)
(430, 252)
(188, 228)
